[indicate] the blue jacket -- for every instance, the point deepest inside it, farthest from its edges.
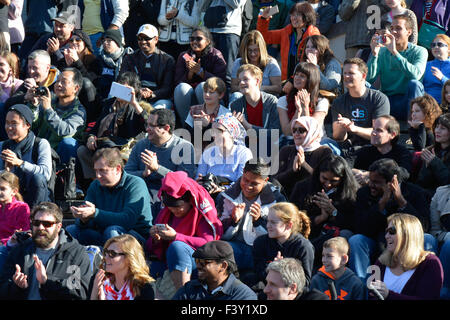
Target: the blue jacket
(432, 85)
(232, 289)
(127, 205)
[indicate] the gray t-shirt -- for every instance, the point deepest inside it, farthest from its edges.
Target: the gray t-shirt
(43, 255)
(272, 69)
(361, 111)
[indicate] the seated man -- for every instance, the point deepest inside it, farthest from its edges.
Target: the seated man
(115, 203)
(286, 281)
(50, 266)
(243, 210)
(161, 153)
(354, 112)
(384, 138)
(216, 276)
(155, 68)
(256, 109)
(400, 65)
(62, 117)
(55, 43)
(388, 192)
(26, 156)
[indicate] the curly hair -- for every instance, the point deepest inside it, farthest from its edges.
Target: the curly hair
(288, 212)
(138, 270)
(429, 107)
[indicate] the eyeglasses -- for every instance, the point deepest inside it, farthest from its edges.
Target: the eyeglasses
(112, 254)
(144, 38)
(438, 44)
(46, 224)
(300, 130)
(152, 126)
(203, 262)
(198, 39)
(392, 231)
(75, 40)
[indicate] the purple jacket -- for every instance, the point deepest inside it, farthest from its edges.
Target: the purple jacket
(440, 13)
(212, 63)
(424, 284)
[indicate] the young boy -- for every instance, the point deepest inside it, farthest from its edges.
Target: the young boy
(334, 279)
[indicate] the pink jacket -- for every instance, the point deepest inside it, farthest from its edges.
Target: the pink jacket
(13, 216)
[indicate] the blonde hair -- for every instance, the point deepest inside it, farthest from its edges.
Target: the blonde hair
(409, 252)
(138, 270)
(215, 84)
(13, 181)
(340, 244)
(254, 70)
(289, 213)
(250, 38)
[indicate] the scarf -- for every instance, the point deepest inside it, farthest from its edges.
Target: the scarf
(112, 60)
(234, 127)
(22, 147)
(124, 293)
(314, 134)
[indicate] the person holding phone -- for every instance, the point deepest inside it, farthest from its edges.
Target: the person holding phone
(124, 273)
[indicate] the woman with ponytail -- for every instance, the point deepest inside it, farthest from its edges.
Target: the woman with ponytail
(288, 230)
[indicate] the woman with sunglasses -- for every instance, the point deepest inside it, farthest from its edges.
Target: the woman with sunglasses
(297, 162)
(435, 170)
(123, 273)
(408, 272)
(200, 62)
(187, 221)
(437, 71)
(292, 38)
(253, 49)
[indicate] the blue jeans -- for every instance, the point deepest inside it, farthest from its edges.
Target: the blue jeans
(400, 102)
(234, 96)
(4, 251)
(228, 44)
(242, 254)
(178, 257)
(444, 256)
(35, 190)
(67, 148)
(185, 96)
(363, 248)
(86, 236)
(94, 37)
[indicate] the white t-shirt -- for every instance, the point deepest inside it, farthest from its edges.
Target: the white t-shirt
(397, 283)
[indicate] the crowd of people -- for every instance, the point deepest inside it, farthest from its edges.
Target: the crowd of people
(223, 151)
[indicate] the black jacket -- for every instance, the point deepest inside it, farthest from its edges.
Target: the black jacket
(68, 270)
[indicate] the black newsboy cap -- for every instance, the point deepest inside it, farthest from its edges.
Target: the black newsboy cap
(215, 250)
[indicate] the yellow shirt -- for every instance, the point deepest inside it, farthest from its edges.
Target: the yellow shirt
(91, 19)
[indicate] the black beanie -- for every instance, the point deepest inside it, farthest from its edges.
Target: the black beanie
(115, 35)
(83, 36)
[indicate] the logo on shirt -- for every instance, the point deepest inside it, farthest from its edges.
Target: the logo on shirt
(359, 114)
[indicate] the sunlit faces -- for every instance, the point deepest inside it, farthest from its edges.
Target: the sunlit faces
(353, 77)
(297, 20)
(399, 31)
(38, 69)
(380, 135)
(146, 44)
(275, 288)
(64, 85)
(391, 238)
(329, 180)
(16, 127)
(253, 54)
(252, 185)
(299, 133)
(442, 135)
(417, 113)
(62, 30)
(276, 228)
(198, 41)
(440, 49)
(5, 69)
(222, 137)
(212, 98)
(311, 49)
(117, 264)
(209, 270)
(332, 259)
(155, 132)
(106, 175)
(300, 80)
(76, 43)
(109, 45)
(6, 192)
(248, 82)
(44, 237)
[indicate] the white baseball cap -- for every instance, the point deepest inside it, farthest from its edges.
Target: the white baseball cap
(149, 30)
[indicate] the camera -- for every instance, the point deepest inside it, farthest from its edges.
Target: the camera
(40, 91)
(22, 236)
(209, 180)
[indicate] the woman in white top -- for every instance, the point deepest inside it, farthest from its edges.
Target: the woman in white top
(253, 49)
(408, 272)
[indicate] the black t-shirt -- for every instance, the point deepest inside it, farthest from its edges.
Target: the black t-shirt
(361, 111)
(3, 18)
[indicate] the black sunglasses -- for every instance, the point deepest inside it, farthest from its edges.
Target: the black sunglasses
(46, 224)
(144, 38)
(438, 44)
(198, 39)
(112, 254)
(299, 130)
(392, 231)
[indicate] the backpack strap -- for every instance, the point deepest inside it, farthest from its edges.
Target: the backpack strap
(34, 152)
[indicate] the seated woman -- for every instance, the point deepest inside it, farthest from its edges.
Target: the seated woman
(408, 272)
(119, 122)
(287, 237)
(435, 170)
(188, 220)
(200, 62)
(437, 71)
(328, 197)
(303, 99)
(319, 53)
(253, 49)
(204, 114)
(123, 273)
(227, 157)
(297, 162)
(9, 75)
(424, 111)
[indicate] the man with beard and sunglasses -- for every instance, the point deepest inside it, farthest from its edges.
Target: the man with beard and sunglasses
(51, 265)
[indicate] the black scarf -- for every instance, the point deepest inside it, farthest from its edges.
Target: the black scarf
(22, 147)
